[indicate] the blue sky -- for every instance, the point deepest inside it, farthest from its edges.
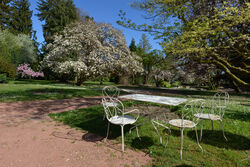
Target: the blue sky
(103, 11)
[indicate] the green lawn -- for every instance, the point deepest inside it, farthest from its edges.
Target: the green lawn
(217, 152)
(28, 90)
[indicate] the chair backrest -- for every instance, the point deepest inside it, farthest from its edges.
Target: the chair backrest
(219, 103)
(111, 91)
(112, 110)
(193, 107)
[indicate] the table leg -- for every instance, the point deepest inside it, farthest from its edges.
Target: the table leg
(201, 130)
(181, 141)
(212, 125)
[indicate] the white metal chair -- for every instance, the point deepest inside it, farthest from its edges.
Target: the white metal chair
(218, 107)
(188, 120)
(116, 115)
(110, 92)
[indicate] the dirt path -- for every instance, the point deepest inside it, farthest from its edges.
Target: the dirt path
(29, 138)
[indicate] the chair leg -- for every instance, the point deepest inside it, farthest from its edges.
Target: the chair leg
(136, 126)
(122, 138)
(212, 125)
(169, 132)
(197, 139)
(108, 130)
(137, 132)
(223, 130)
(201, 130)
(181, 141)
(157, 131)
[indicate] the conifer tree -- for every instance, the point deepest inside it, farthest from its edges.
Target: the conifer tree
(132, 45)
(56, 14)
(5, 10)
(21, 17)
(144, 44)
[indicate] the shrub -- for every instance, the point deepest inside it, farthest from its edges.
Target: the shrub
(176, 84)
(15, 50)
(3, 78)
(7, 68)
(166, 84)
(26, 72)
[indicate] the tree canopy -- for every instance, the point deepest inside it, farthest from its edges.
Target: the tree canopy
(86, 49)
(5, 11)
(21, 17)
(221, 40)
(201, 33)
(15, 50)
(132, 45)
(56, 14)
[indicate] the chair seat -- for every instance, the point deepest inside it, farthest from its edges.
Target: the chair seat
(208, 116)
(110, 104)
(122, 120)
(221, 106)
(180, 124)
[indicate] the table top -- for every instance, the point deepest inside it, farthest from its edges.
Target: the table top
(155, 99)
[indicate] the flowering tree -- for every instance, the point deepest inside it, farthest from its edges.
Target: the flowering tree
(25, 71)
(87, 49)
(15, 50)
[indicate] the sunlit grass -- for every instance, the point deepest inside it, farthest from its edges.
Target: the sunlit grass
(41, 90)
(217, 151)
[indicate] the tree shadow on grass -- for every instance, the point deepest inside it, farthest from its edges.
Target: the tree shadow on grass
(143, 142)
(215, 138)
(31, 81)
(236, 115)
(90, 119)
(48, 93)
(184, 165)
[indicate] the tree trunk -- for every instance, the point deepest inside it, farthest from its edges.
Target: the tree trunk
(101, 81)
(236, 87)
(79, 80)
(145, 80)
(124, 80)
(133, 79)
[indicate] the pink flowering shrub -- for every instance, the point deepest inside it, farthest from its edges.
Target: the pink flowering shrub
(25, 71)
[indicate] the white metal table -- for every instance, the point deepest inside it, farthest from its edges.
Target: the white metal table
(172, 101)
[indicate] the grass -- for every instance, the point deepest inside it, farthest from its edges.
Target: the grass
(217, 152)
(28, 90)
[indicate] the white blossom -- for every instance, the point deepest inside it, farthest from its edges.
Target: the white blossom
(88, 49)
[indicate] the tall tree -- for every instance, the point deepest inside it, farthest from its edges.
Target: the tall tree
(149, 58)
(201, 32)
(132, 45)
(144, 44)
(221, 40)
(21, 17)
(88, 49)
(168, 17)
(56, 14)
(5, 10)
(15, 50)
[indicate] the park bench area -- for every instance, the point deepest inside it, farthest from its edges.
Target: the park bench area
(83, 125)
